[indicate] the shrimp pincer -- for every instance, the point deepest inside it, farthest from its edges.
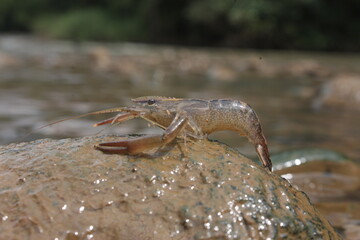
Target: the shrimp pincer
(186, 117)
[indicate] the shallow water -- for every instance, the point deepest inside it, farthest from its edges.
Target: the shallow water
(42, 81)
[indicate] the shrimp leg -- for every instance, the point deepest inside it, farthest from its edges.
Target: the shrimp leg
(121, 117)
(140, 144)
(264, 155)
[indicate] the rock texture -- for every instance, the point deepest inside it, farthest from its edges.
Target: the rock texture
(64, 189)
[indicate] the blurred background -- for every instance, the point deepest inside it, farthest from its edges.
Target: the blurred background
(297, 63)
(279, 24)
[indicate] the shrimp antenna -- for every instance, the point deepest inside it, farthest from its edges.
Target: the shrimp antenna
(110, 110)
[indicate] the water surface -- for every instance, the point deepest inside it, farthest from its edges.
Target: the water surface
(42, 81)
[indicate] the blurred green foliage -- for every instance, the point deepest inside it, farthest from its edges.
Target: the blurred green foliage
(279, 24)
(87, 24)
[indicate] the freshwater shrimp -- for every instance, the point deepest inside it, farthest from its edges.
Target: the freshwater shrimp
(185, 117)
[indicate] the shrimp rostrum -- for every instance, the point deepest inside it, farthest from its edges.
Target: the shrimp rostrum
(186, 117)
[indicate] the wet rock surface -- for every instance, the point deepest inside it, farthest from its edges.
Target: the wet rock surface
(332, 182)
(64, 189)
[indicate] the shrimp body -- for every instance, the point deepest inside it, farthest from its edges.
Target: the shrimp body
(191, 117)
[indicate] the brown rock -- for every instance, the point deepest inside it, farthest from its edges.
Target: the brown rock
(222, 73)
(343, 92)
(310, 68)
(64, 189)
(8, 61)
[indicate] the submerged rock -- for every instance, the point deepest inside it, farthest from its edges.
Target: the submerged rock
(64, 189)
(330, 179)
(323, 174)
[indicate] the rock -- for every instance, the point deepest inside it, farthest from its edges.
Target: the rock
(331, 180)
(9, 61)
(222, 73)
(260, 66)
(325, 175)
(64, 189)
(307, 68)
(342, 92)
(101, 58)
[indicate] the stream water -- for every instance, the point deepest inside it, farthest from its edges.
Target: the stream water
(42, 81)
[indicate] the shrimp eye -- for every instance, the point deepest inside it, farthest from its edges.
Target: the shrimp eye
(151, 102)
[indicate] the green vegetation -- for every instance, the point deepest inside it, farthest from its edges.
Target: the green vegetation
(87, 24)
(279, 24)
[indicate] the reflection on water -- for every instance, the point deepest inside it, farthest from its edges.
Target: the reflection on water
(42, 81)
